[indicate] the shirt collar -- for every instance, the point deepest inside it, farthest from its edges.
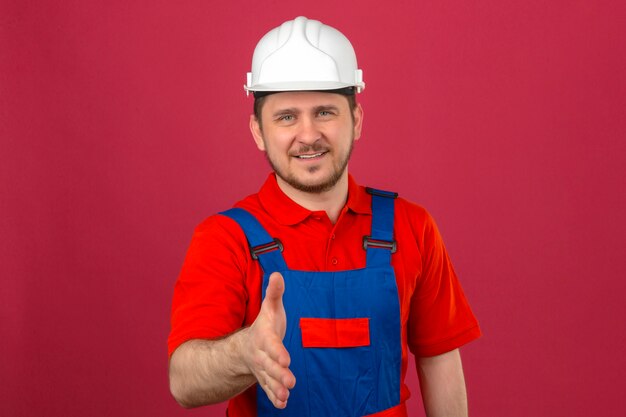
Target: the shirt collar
(288, 212)
(359, 201)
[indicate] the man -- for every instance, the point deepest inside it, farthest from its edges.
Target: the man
(305, 298)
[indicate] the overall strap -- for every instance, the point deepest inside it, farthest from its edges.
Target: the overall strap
(262, 246)
(380, 244)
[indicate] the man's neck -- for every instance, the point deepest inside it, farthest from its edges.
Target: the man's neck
(331, 201)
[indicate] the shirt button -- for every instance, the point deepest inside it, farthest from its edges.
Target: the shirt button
(334, 261)
(332, 236)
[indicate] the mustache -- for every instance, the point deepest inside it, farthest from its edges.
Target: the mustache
(314, 148)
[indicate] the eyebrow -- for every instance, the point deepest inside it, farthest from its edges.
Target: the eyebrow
(294, 110)
(281, 112)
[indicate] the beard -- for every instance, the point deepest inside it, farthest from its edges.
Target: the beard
(316, 188)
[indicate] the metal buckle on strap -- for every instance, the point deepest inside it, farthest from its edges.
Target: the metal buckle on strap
(379, 244)
(265, 248)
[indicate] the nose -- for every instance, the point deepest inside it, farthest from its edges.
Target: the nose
(308, 131)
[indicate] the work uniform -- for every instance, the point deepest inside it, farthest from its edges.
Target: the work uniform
(334, 305)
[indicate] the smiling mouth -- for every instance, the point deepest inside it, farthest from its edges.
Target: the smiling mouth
(311, 156)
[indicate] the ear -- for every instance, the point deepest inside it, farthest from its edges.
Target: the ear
(257, 132)
(358, 121)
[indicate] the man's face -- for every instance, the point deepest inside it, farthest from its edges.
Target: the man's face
(307, 137)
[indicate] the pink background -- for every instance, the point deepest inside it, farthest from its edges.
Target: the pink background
(124, 124)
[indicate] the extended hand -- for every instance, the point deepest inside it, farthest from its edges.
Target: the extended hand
(266, 355)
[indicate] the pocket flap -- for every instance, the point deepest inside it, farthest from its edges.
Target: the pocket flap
(335, 333)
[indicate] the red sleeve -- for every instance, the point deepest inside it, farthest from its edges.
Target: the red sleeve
(440, 318)
(210, 295)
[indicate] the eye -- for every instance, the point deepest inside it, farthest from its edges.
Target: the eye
(325, 113)
(286, 118)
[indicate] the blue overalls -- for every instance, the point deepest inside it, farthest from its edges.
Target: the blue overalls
(343, 328)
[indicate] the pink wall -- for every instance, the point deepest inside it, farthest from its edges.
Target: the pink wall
(124, 124)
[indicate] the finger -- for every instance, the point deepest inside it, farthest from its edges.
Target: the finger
(277, 393)
(289, 380)
(275, 289)
(274, 400)
(274, 348)
(278, 372)
(272, 309)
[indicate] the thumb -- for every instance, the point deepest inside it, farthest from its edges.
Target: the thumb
(273, 304)
(275, 289)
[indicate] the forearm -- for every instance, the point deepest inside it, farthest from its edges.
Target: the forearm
(443, 385)
(203, 372)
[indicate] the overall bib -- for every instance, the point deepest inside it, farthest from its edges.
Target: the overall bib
(343, 328)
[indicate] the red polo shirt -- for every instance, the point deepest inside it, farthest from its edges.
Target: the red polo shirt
(219, 288)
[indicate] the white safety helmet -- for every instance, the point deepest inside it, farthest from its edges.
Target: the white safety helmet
(302, 55)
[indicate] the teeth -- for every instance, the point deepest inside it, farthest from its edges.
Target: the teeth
(310, 156)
